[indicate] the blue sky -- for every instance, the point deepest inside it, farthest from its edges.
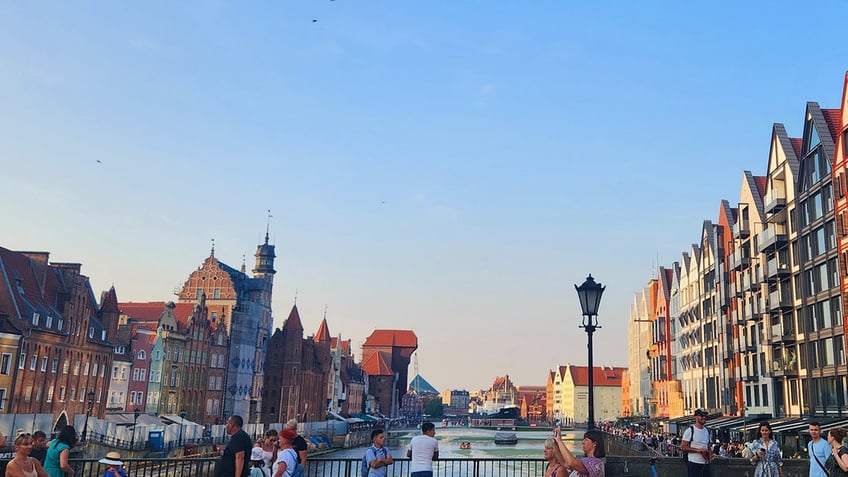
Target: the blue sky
(450, 167)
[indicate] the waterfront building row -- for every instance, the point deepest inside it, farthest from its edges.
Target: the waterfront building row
(749, 321)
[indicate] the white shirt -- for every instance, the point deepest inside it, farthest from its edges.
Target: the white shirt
(423, 447)
(700, 440)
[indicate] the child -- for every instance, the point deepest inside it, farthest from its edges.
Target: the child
(113, 464)
(258, 464)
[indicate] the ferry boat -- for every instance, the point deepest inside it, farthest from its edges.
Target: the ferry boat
(506, 438)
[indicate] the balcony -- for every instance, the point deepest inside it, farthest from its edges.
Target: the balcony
(774, 201)
(772, 237)
(781, 367)
(750, 282)
(783, 333)
(741, 230)
(753, 311)
(743, 347)
(738, 291)
(737, 317)
(776, 269)
(780, 300)
(739, 260)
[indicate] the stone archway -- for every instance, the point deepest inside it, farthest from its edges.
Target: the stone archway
(61, 423)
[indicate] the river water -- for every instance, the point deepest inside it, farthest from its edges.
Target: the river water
(531, 444)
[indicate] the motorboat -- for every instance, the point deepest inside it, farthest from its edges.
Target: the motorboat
(506, 438)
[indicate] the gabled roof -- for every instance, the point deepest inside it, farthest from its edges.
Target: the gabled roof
(420, 386)
(323, 333)
(293, 321)
(833, 117)
(378, 364)
(109, 301)
(386, 338)
(146, 314)
(602, 376)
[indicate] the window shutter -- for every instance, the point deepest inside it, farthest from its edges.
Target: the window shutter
(840, 224)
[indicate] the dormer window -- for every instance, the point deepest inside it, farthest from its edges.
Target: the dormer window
(91, 332)
(103, 335)
(49, 321)
(35, 317)
(59, 324)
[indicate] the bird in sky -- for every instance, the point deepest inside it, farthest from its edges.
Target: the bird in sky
(99, 161)
(314, 20)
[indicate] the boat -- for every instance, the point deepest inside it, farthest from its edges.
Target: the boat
(465, 445)
(506, 438)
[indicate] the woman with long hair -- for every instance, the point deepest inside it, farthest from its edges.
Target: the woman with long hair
(56, 463)
(556, 462)
(766, 454)
(22, 465)
(592, 464)
(270, 448)
(837, 463)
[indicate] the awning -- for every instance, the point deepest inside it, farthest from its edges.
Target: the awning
(832, 425)
(724, 422)
(336, 416)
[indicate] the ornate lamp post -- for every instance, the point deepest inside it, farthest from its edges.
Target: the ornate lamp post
(87, 415)
(590, 300)
(182, 424)
(136, 413)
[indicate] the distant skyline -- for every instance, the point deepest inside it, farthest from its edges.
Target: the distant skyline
(451, 168)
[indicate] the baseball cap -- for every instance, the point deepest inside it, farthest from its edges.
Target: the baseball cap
(700, 412)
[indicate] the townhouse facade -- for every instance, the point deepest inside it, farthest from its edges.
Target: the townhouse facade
(760, 298)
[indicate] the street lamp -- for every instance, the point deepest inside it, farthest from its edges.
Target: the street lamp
(182, 424)
(590, 300)
(136, 413)
(87, 415)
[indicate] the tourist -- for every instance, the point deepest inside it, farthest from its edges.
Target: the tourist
(286, 463)
(299, 443)
(22, 464)
(696, 444)
(234, 461)
(837, 462)
(114, 465)
(592, 465)
(766, 454)
(556, 462)
(423, 450)
(270, 448)
(257, 463)
(39, 450)
(377, 457)
(56, 462)
(818, 450)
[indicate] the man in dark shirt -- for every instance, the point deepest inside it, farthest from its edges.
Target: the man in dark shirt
(234, 462)
(39, 450)
(299, 443)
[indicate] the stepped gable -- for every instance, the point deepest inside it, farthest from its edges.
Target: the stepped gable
(378, 364)
(323, 333)
(293, 322)
(602, 376)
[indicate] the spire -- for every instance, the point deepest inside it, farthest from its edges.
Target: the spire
(265, 255)
(243, 263)
(212, 253)
(293, 321)
(323, 333)
(268, 227)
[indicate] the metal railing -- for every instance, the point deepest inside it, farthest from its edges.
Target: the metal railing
(320, 467)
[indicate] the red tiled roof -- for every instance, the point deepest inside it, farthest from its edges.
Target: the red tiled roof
(761, 184)
(323, 333)
(151, 311)
(400, 338)
(601, 377)
(834, 121)
(797, 142)
(377, 365)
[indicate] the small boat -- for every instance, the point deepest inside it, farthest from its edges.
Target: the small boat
(506, 438)
(465, 445)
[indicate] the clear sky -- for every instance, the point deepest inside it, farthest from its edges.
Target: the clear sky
(451, 167)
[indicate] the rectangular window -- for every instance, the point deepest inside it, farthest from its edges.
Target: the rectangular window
(33, 363)
(27, 393)
(143, 374)
(115, 372)
(132, 397)
(35, 317)
(112, 398)
(209, 407)
(140, 397)
(135, 374)
(49, 397)
(55, 366)
(44, 361)
(123, 374)
(3, 398)
(76, 368)
(73, 395)
(66, 366)
(61, 393)
(38, 394)
(59, 324)
(82, 395)
(22, 361)
(94, 370)
(85, 369)
(6, 364)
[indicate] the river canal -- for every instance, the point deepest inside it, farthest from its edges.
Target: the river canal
(531, 444)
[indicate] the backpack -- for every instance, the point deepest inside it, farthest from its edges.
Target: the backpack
(366, 466)
(298, 468)
(691, 436)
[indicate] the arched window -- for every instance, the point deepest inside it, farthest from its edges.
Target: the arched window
(142, 355)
